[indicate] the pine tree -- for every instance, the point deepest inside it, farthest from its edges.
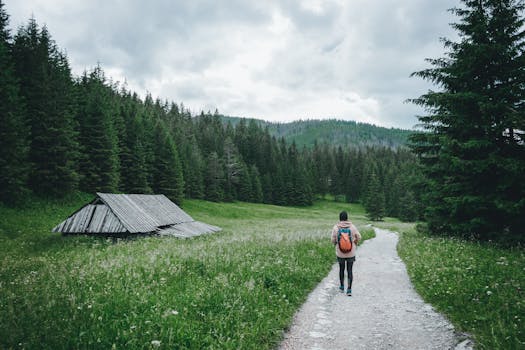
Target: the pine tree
(352, 177)
(257, 191)
(322, 164)
(408, 208)
(267, 184)
(168, 178)
(100, 164)
(245, 186)
(133, 166)
(375, 198)
(302, 193)
(233, 169)
(193, 169)
(152, 113)
(336, 172)
(13, 129)
(214, 178)
(473, 148)
(47, 87)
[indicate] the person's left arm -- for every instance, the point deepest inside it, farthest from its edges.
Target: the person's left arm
(357, 234)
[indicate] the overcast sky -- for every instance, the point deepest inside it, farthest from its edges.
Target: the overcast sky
(273, 60)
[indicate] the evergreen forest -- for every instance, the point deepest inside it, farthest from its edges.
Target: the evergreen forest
(344, 133)
(462, 172)
(62, 134)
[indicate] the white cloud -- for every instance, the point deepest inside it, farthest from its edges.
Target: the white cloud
(277, 60)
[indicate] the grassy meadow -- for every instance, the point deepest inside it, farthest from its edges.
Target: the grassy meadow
(238, 288)
(479, 286)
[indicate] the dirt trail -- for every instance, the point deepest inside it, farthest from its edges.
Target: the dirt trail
(385, 312)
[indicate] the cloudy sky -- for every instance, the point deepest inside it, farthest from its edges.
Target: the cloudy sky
(274, 60)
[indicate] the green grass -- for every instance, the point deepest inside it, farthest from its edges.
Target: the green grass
(479, 286)
(235, 289)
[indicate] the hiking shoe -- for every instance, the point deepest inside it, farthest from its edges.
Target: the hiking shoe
(349, 292)
(342, 288)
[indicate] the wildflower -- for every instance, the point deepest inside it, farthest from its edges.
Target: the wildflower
(174, 312)
(489, 292)
(155, 343)
(250, 285)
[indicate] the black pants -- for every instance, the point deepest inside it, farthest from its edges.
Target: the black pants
(349, 262)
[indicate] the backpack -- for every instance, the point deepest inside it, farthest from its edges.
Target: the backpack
(344, 239)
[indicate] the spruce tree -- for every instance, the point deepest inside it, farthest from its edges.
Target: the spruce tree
(257, 194)
(13, 129)
(233, 169)
(47, 87)
(168, 178)
(408, 209)
(302, 193)
(245, 186)
(152, 113)
(375, 198)
(214, 178)
(132, 152)
(193, 169)
(473, 149)
(352, 177)
(99, 144)
(134, 172)
(267, 189)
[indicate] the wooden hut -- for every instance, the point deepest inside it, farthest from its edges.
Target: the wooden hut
(125, 214)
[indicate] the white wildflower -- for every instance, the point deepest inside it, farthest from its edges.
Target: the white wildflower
(155, 343)
(489, 292)
(250, 285)
(174, 312)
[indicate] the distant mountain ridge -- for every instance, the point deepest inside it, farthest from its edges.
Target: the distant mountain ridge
(333, 132)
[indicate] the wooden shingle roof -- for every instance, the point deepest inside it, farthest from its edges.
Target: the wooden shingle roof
(133, 213)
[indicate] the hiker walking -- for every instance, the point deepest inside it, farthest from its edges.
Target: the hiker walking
(345, 237)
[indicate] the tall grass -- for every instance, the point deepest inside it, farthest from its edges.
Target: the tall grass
(235, 289)
(479, 286)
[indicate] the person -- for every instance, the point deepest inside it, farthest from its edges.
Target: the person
(345, 258)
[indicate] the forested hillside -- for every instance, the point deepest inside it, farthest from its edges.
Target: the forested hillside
(62, 133)
(339, 133)
(344, 133)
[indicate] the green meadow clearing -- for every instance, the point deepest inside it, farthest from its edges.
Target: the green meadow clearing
(235, 289)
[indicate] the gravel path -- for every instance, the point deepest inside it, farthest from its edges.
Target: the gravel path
(385, 312)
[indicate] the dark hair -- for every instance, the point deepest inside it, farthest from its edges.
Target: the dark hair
(343, 216)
